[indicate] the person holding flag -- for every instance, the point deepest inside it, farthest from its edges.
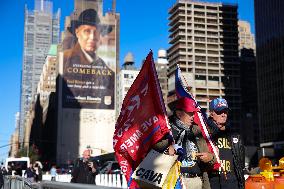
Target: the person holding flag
(205, 153)
(142, 122)
(198, 159)
(143, 125)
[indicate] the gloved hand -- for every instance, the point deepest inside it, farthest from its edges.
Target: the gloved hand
(180, 152)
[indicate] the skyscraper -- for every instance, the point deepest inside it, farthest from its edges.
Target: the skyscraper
(249, 110)
(246, 38)
(204, 42)
(41, 30)
(249, 113)
(41, 124)
(269, 22)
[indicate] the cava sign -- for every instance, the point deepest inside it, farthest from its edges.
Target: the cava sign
(154, 169)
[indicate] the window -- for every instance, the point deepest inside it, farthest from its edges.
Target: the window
(200, 77)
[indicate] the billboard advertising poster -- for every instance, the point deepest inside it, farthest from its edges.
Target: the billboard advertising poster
(89, 62)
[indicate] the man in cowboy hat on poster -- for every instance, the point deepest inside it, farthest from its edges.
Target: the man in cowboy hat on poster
(88, 81)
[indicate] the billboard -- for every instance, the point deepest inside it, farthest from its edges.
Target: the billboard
(89, 62)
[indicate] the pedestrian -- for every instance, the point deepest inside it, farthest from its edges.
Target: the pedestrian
(231, 150)
(1, 179)
(2, 165)
(198, 159)
(53, 173)
(30, 173)
(84, 171)
(4, 171)
(18, 170)
(9, 170)
(38, 172)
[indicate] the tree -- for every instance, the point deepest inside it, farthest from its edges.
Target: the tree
(32, 152)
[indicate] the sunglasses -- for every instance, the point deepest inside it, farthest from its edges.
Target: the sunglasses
(189, 113)
(221, 112)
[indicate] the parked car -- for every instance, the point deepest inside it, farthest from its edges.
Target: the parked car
(110, 167)
(64, 169)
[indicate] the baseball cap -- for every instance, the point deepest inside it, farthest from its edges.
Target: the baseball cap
(218, 104)
(186, 104)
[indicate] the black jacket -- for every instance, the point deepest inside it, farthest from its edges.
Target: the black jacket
(237, 148)
(1, 179)
(82, 173)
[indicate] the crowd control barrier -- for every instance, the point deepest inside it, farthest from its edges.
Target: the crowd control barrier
(63, 182)
(17, 182)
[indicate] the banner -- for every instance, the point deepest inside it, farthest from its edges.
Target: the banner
(199, 119)
(89, 63)
(142, 120)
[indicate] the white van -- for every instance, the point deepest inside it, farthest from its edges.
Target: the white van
(17, 163)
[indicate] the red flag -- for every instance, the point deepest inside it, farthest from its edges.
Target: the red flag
(142, 121)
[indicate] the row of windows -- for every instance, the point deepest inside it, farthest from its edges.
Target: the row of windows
(129, 76)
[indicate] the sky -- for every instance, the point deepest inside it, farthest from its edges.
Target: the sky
(143, 26)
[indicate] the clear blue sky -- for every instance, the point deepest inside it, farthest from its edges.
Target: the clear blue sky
(143, 27)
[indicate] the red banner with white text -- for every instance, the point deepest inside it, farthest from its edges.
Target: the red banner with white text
(142, 120)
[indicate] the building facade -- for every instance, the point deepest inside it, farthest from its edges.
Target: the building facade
(249, 110)
(47, 81)
(204, 42)
(161, 65)
(125, 78)
(269, 25)
(246, 38)
(87, 98)
(41, 124)
(14, 141)
(41, 30)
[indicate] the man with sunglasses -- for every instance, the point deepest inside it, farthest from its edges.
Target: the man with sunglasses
(231, 149)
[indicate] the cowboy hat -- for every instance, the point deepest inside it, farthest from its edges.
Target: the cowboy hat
(89, 17)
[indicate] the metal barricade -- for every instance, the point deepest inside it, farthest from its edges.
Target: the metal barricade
(62, 185)
(111, 180)
(17, 182)
(104, 181)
